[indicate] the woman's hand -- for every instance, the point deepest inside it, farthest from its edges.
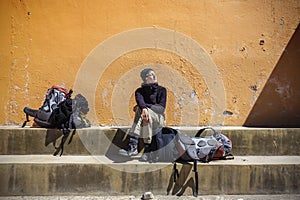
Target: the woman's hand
(145, 115)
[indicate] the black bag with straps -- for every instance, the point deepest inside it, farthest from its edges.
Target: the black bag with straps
(170, 145)
(60, 111)
(70, 114)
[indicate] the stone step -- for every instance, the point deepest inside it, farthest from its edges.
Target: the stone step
(104, 140)
(34, 175)
(156, 197)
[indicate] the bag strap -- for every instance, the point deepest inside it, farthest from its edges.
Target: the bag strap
(195, 170)
(66, 134)
(195, 193)
(60, 148)
(68, 95)
(200, 132)
(73, 133)
(25, 122)
(47, 98)
(175, 172)
(203, 129)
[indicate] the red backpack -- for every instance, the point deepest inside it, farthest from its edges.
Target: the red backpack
(213, 147)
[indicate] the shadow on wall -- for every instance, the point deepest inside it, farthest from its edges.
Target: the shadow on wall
(279, 102)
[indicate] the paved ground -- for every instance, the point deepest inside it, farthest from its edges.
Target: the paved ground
(159, 197)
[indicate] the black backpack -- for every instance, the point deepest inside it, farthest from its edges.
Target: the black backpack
(162, 145)
(61, 112)
(169, 145)
(70, 114)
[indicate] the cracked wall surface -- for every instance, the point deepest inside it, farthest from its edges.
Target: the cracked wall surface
(238, 43)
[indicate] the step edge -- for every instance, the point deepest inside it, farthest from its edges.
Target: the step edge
(88, 159)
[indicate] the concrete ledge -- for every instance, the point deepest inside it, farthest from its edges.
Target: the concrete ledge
(104, 140)
(47, 159)
(157, 197)
(98, 175)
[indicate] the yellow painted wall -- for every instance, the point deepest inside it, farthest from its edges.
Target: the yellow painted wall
(47, 42)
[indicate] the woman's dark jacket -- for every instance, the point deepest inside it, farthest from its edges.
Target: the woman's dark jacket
(152, 96)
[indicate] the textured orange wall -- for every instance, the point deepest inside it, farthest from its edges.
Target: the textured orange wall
(47, 42)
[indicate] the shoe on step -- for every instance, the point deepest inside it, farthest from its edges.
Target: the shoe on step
(128, 153)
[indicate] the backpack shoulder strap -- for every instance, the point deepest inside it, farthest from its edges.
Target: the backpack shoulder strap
(64, 138)
(25, 122)
(199, 132)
